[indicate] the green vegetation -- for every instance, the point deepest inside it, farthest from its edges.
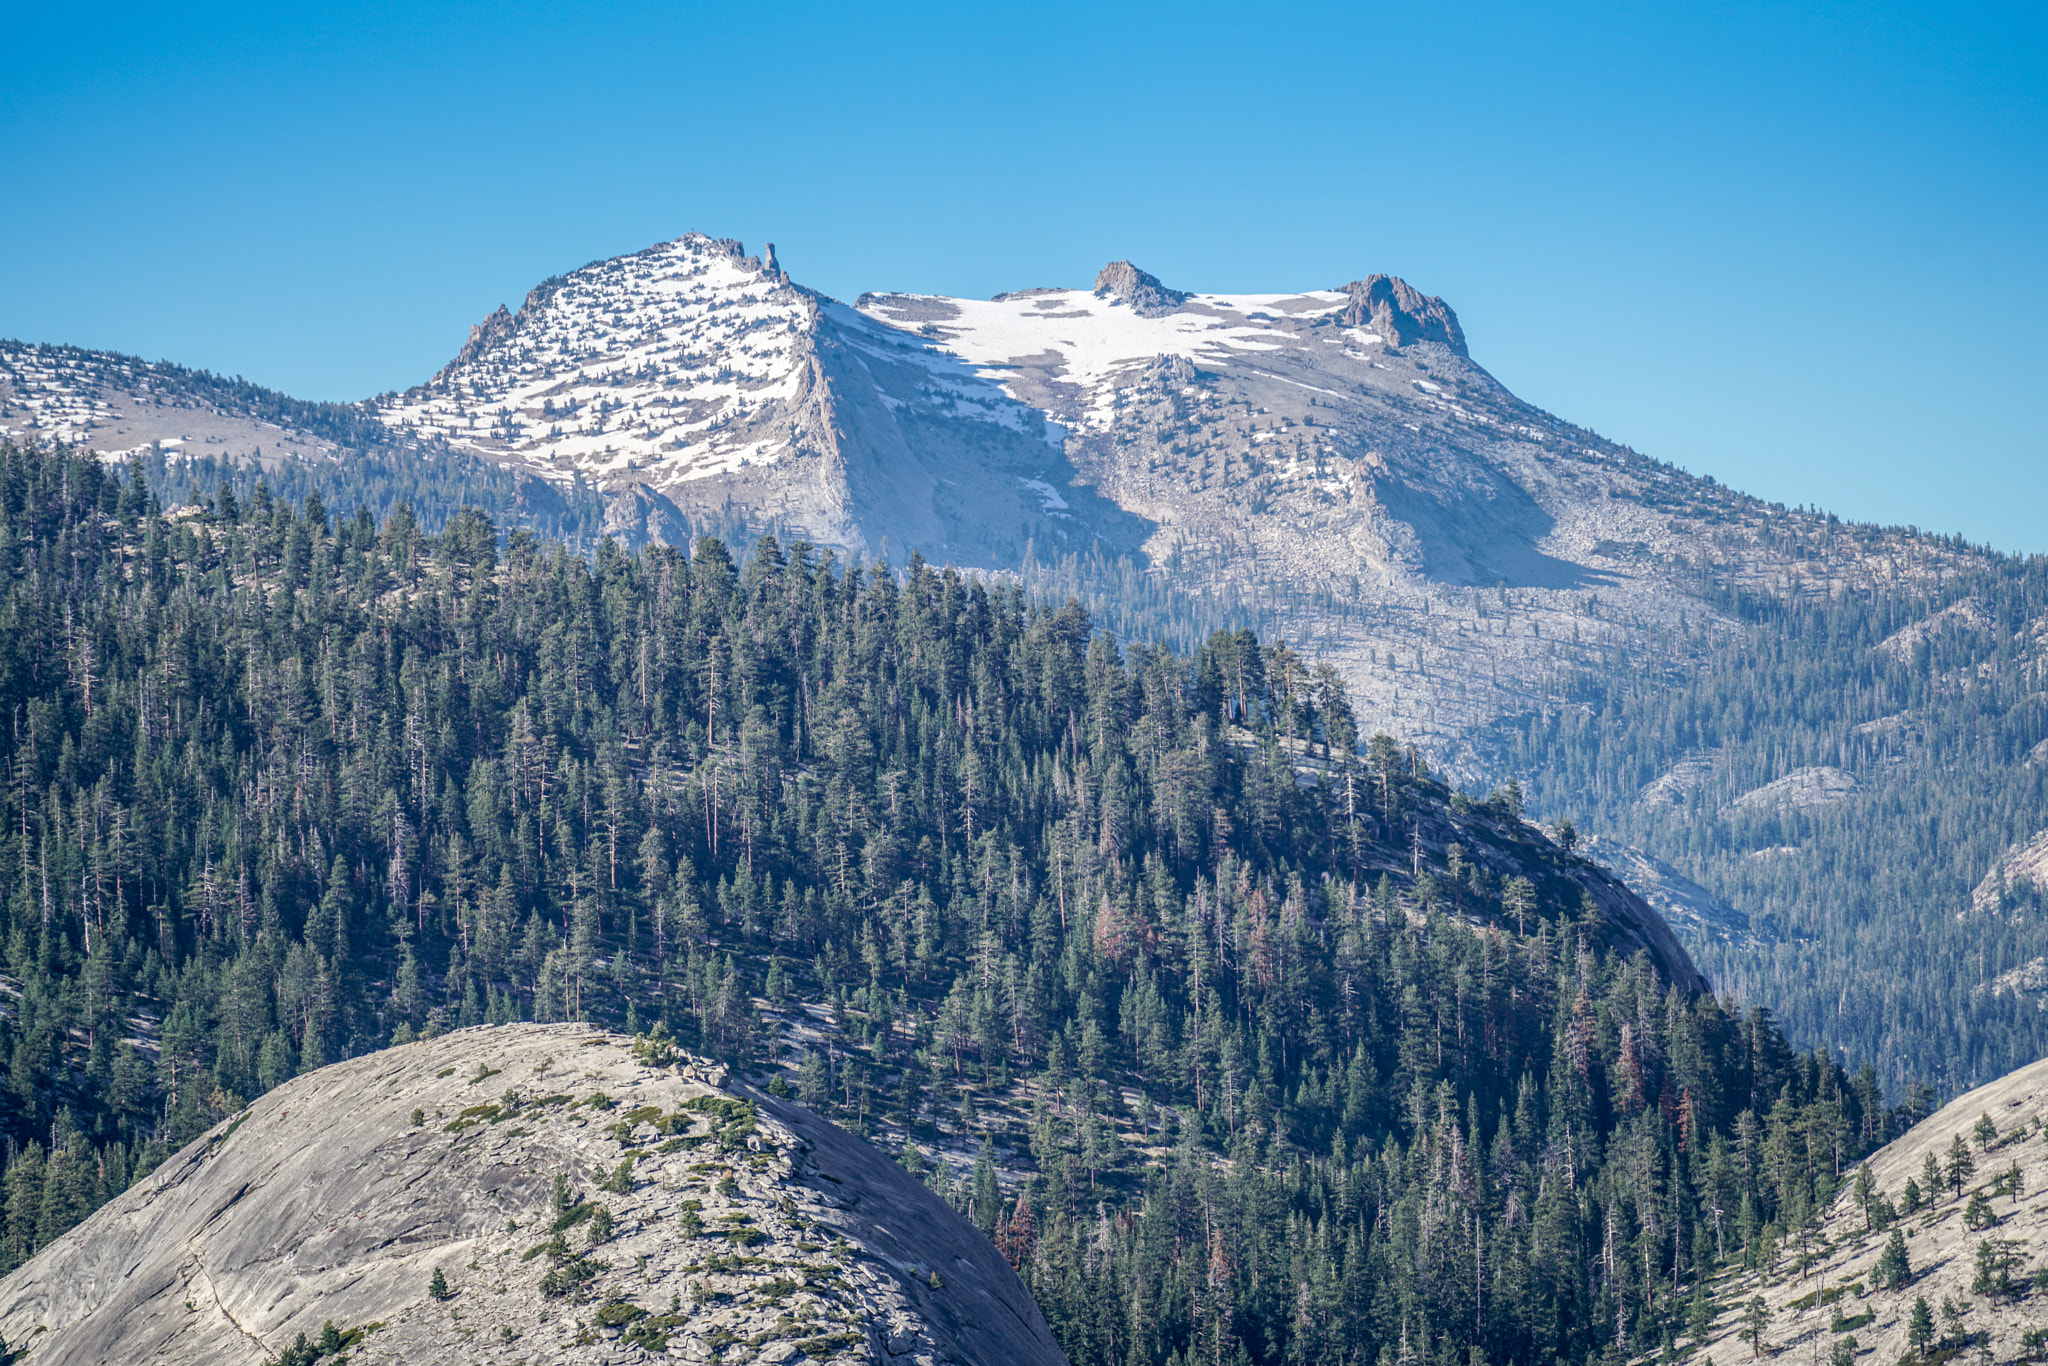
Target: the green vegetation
(1920, 1327)
(1756, 1318)
(1941, 732)
(1894, 1268)
(1301, 1055)
(569, 1278)
(827, 1345)
(328, 1346)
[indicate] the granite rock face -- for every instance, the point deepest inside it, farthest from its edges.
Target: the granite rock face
(1844, 1292)
(695, 1219)
(2021, 868)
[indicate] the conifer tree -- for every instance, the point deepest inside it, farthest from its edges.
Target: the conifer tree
(1920, 1326)
(1893, 1267)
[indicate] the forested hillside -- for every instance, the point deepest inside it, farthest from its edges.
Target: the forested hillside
(1930, 704)
(433, 485)
(1243, 1043)
(1942, 731)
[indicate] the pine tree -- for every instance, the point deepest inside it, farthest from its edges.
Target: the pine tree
(1865, 1190)
(1756, 1318)
(1894, 1270)
(1920, 1327)
(1932, 1178)
(987, 1196)
(1700, 1314)
(1978, 1214)
(1961, 1166)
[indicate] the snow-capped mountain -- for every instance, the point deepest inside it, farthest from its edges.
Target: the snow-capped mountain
(1329, 463)
(1330, 456)
(692, 378)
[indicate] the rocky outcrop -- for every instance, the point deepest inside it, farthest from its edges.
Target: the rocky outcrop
(1844, 1293)
(1693, 912)
(692, 1216)
(1963, 618)
(1175, 371)
(1509, 846)
(1400, 313)
(494, 329)
(2027, 982)
(1633, 926)
(1143, 292)
(1803, 789)
(2022, 870)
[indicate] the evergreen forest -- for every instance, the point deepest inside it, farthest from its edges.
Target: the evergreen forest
(1246, 1038)
(1931, 700)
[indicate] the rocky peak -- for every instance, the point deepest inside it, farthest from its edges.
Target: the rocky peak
(1142, 291)
(482, 338)
(1400, 313)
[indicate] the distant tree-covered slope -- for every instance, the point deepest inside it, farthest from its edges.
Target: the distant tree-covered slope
(433, 486)
(1851, 768)
(1244, 1044)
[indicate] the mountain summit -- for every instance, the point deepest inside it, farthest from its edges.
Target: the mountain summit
(692, 378)
(1401, 314)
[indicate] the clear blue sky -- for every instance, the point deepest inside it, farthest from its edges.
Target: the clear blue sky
(1801, 247)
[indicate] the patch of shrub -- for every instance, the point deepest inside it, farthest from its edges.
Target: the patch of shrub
(827, 1345)
(571, 1277)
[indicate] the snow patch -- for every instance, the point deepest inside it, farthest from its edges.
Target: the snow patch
(1048, 496)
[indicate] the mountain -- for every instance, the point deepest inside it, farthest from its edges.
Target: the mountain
(1973, 1239)
(691, 378)
(189, 431)
(123, 405)
(691, 1213)
(1330, 465)
(1763, 703)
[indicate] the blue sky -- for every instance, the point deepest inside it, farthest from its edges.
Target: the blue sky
(1800, 247)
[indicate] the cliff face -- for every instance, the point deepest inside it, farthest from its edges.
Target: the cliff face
(578, 1202)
